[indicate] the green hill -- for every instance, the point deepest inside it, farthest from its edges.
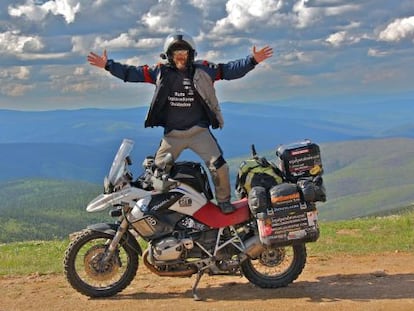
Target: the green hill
(45, 209)
(368, 177)
(362, 178)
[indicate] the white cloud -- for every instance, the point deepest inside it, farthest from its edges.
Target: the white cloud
(15, 89)
(43, 56)
(350, 26)
(206, 5)
(79, 71)
(125, 40)
(37, 12)
(325, 2)
(337, 39)
(377, 53)
(341, 38)
(13, 79)
(297, 80)
(212, 56)
(242, 14)
(381, 75)
(18, 72)
(122, 41)
(162, 17)
(23, 73)
(29, 9)
(99, 3)
(227, 41)
(153, 21)
(82, 44)
(341, 9)
(295, 57)
(399, 29)
(12, 42)
(48, 35)
(71, 79)
(307, 14)
(149, 43)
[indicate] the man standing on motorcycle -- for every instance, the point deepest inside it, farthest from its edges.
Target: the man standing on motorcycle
(185, 103)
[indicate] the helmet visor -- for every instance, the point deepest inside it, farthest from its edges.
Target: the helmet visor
(179, 41)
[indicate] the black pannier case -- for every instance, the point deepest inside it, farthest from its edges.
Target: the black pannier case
(298, 159)
(288, 219)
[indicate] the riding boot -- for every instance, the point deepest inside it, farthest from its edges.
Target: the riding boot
(221, 181)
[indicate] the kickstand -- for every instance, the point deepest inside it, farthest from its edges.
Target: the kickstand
(194, 289)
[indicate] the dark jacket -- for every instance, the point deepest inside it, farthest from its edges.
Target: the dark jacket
(203, 75)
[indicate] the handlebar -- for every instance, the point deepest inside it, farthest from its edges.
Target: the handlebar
(156, 178)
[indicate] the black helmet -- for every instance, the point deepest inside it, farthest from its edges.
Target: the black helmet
(179, 41)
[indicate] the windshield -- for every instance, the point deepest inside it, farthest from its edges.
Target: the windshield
(118, 165)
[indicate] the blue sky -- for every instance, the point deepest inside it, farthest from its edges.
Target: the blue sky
(321, 48)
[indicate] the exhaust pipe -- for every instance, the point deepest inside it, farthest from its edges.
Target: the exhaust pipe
(254, 247)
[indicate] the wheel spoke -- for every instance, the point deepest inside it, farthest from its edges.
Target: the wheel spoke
(90, 270)
(275, 267)
(274, 262)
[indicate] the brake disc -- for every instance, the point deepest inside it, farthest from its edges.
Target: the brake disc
(272, 257)
(96, 267)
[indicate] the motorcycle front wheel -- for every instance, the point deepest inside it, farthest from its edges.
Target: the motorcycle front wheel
(275, 267)
(91, 272)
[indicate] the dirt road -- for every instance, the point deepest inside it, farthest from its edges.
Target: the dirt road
(365, 283)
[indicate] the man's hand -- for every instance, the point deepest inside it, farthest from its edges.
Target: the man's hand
(96, 60)
(262, 54)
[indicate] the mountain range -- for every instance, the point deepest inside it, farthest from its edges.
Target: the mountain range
(367, 148)
(80, 144)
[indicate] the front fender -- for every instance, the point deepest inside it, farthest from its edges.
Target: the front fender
(126, 195)
(111, 229)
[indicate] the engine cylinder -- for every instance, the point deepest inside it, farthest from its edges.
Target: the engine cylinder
(168, 249)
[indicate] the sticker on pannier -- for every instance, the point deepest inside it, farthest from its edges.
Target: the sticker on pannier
(289, 219)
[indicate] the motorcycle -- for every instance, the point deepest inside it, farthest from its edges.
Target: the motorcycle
(167, 217)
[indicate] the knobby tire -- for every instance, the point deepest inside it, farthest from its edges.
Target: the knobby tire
(76, 281)
(282, 279)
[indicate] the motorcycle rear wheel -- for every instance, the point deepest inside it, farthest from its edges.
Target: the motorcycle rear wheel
(276, 267)
(86, 272)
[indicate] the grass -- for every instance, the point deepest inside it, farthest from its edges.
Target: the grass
(366, 235)
(40, 257)
(373, 235)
